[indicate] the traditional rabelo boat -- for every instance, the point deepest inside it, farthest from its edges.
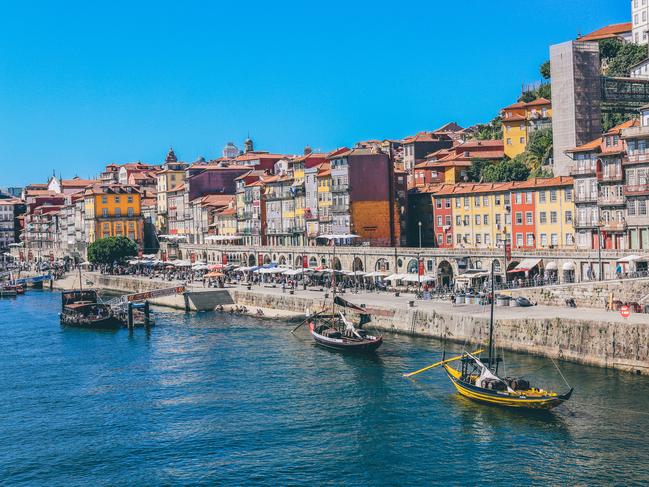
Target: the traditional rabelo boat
(330, 328)
(81, 308)
(478, 378)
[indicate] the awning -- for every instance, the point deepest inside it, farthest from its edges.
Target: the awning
(525, 266)
(395, 277)
(338, 237)
(376, 274)
(551, 266)
(568, 266)
(293, 272)
(630, 258)
(417, 278)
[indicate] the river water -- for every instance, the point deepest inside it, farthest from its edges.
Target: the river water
(214, 399)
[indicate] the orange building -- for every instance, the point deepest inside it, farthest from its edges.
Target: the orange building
(113, 210)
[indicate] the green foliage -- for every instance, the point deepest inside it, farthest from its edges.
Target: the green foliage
(609, 48)
(611, 119)
(474, 173)
(545, 70)
(544, 90)
(490, 131)
(626, 56)
(505, 171)
(111, 249)
(539, 149)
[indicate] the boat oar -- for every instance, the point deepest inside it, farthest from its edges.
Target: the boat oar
(307, 319)
(437, 364)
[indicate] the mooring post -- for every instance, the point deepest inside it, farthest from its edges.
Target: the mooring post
(130, 315)
(51, 282)
(147, 313)
(186, 297)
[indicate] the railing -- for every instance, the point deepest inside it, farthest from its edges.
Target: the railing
(340, 188)
(586, 224)
(610, 177)
(637, 158)
(638, 189)
(610, 200)
(340, 208)
(614, 226)
(585, 198)
(583, 171)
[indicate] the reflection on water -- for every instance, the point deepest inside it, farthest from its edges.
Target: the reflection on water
(217, 399)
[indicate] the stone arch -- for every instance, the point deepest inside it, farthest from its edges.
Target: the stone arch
(413, 266)
(382, 265)
(251, 260)
(357, 264)
(497, 266)
(335, 264)
(266, 259)
(323, 262)
(282, 260)
(445, 273)
(298, 262)
(204, 256)
(313, 262)
(179, 253)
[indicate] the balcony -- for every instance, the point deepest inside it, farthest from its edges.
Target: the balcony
(610, 200)
(614, 177)
(325, 218)
(637, 158)
(588, 170)
(279, 195)
(613, 226)
(635, 132)
(585, 198)
(585, 224)
(340, 188)
(636, 190)
(340, 208)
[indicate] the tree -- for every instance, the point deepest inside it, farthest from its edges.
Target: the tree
(474, 173)
(490, 131)
(545, 70)
(539, 149)
(111, 249)
(609, 48)
(627, 56)
(505, 171)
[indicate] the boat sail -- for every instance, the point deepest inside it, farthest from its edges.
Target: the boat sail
(478, 379)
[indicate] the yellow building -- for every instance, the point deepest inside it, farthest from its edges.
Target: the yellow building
(554, 213)
(325, 217)
(113, 210)
(520, 120)
(169, 178)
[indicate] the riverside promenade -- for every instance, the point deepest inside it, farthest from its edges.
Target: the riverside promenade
(591, 336)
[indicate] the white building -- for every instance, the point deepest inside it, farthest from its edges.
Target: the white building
(640, 21)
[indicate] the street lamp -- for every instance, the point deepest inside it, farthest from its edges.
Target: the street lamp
(419, 223)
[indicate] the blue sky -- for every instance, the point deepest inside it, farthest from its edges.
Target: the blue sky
(83, 84)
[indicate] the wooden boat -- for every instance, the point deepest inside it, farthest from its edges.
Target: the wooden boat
(337, 333)
(8, 292)
(82, 309)
(478, 379)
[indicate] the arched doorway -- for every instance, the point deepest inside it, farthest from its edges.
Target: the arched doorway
(357, 265)
(323, 262)
(251, 260)
(413, 266)
(298, 262)
(335, 264)
(282, 260)
(445, 273)
(382, 265)
(266, 259)
(313, 262)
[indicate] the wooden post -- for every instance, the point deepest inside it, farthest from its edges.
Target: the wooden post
(186, 297)
(51, 282)
(147, 313)
(129, 318)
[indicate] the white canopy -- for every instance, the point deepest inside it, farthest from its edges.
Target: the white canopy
(568, 266)
(270, 270)
(338, 236)
(395, 277)
(172, 237)
(17, 244)
(417, 278)
(376, 274)
(199, 267)
(223, 238)
(181, 263)
(631, 258)
(551, 266)
(526, 265)
(293, 272)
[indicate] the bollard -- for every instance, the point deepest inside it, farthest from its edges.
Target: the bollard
(129, 317)
(147, 313)
(186, 298)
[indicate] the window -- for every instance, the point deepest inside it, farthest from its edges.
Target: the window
(477, 219)
(466, 201)
(104, 199)
(458, 204)
(554, 239)
(509, 141)
(476, 200)
(116, 199)
(568, 194)
(519, 198)
(458, 220)
(642, 207)
(485, 201)
(530, 240)
(553, 217)
(439, 221)
(449, 241)
(118, 212)
(522, 140)
(630, 207)
(467, 220)
(528, 197)
(519, 240)
(570, 239)
(498, 218)
(129, 211)
(497, 200)
(529, 218)
(440, 239)
(519, 218)
(544, 240)
(447, 203)
(569, 217)
(487, 239)
(478, 239)
(553, 195)
(447, 220)
(485, 219)
(459, 239)
(129, 198)
(543, 217)
(104, 212)
(438, 203)
(541, 196)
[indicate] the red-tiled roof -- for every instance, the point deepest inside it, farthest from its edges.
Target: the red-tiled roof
(613, 30)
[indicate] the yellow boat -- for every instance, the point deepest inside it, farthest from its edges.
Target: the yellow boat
(478, 379)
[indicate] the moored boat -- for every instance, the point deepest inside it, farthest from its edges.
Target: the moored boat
(478, 379)
(82, 309)
(336, 332)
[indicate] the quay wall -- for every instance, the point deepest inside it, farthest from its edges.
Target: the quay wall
(588, 294)
(619, 345)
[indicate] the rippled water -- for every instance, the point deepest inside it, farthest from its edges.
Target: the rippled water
(212, 399)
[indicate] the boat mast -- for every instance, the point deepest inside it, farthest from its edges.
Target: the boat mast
(491, 318)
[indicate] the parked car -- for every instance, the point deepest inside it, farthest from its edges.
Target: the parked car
(524, 302)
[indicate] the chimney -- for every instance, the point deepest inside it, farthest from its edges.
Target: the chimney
(307, 150)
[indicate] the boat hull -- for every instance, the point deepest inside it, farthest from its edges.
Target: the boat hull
(502, 399)
(109, 323)
(343, 345)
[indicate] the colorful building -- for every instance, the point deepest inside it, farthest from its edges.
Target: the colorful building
(113, 210)
(520, 120)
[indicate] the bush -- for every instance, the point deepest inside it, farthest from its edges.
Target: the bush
(111, 249)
